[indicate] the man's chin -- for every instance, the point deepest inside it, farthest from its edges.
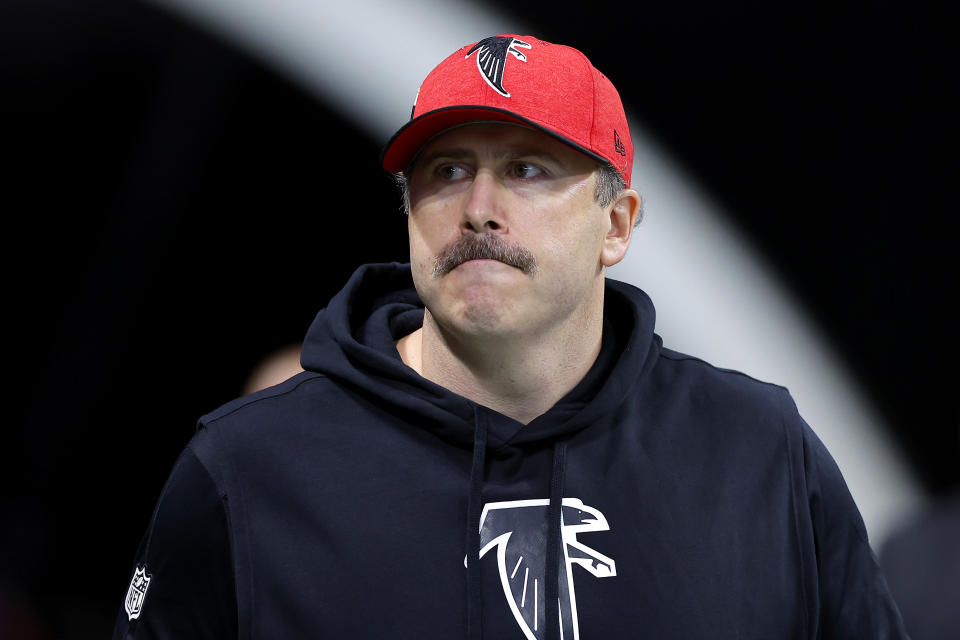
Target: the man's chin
(477, 299)
(483, 320)
(478, 317)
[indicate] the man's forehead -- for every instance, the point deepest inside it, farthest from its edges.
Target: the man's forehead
(497, 140)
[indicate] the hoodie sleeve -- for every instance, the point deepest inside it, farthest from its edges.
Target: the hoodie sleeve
(854, 601)
(182, 583)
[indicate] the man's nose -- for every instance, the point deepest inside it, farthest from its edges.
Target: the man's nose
(484, 210)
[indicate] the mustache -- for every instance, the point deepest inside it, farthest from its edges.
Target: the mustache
(483, 246)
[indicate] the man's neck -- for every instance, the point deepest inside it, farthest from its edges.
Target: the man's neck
(521, 378)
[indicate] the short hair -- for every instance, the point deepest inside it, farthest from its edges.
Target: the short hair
(609, 185)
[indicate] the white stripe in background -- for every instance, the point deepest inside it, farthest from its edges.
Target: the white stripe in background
(715, 298)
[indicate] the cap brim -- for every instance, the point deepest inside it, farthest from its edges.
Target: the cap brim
(406, 142)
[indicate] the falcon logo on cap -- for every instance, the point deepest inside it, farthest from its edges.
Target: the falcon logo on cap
(492, 59)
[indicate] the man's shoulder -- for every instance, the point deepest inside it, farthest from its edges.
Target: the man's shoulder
(264, 400)
(703, 371)
(273, 422)
(721, 389)
(307, 398)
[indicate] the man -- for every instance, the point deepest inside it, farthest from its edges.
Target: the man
(491, 442)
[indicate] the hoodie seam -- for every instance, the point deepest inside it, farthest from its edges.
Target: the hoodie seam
(241, 554)
(253, 400)
(686, 358)
(791, 470)
(224, 497)
(155, 516)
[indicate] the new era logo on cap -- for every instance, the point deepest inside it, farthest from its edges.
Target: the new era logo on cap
(618, 144)
(519, 79)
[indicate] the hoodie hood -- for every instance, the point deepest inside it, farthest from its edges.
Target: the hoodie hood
(353, 341)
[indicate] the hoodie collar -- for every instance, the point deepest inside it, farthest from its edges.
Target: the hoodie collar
(353, 341)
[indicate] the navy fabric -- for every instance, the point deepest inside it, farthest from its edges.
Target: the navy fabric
(188, 558)
(696, 502)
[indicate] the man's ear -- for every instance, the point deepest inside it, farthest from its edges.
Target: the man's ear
(623, 212)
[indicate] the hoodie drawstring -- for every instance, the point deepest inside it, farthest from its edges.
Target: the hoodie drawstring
(555, 541)
(474, 510)
(554, 551)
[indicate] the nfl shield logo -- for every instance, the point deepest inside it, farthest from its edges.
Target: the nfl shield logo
(137, 592)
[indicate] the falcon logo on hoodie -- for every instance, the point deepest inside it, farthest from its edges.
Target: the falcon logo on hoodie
(518, 530)
(492, 59)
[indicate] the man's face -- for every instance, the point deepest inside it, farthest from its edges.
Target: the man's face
(518, 196)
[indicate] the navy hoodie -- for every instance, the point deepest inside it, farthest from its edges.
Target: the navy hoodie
(661, 498)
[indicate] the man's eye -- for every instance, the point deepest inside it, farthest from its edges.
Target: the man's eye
(526, 171)
(451, 172)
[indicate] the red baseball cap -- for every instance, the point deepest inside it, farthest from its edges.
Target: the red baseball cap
(520, 79)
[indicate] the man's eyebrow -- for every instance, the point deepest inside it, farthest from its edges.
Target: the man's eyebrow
(457, 153)
(530, 153)
(451, 153)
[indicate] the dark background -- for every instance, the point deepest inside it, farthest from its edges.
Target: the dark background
(176, 211)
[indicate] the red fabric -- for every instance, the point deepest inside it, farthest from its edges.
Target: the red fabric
(555, 89)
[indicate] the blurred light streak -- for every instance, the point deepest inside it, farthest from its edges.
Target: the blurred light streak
(715, 298)
(365, 58)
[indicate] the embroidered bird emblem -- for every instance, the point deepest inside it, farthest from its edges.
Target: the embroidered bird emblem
(492, 59)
